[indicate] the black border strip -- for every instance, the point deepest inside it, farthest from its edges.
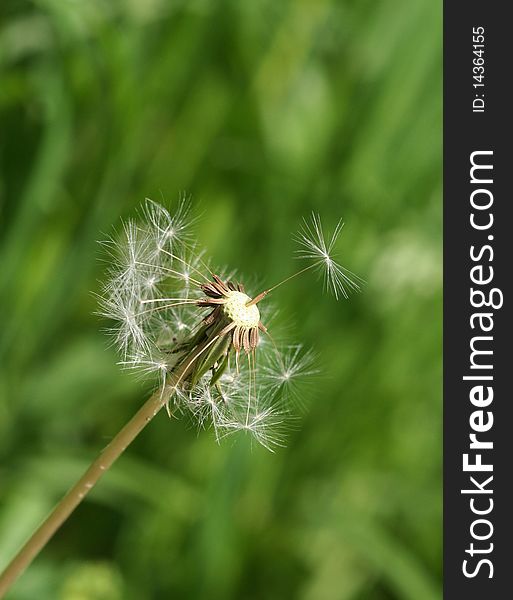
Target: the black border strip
(467, 131)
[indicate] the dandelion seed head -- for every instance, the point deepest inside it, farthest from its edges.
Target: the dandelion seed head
(237, 310)
(197, 331)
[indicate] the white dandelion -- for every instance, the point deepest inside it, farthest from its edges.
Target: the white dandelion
(210, 364)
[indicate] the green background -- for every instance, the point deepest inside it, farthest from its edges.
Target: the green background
(263, 111)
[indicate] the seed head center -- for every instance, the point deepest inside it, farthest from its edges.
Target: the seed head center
(235, 309)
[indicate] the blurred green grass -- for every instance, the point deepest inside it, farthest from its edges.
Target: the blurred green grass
(263, 111)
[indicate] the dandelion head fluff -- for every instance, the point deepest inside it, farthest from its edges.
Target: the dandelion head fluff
(197, 330)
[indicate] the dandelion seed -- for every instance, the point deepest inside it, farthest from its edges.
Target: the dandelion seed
(149, 366)
(288, 371)
(314, 246)
(169, 230)
(123, 306)
(267, 425)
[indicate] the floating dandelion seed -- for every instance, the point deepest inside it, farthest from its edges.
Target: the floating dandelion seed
(314, 246)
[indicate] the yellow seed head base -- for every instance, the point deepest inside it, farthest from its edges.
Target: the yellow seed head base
(229, 302)
(236, 310)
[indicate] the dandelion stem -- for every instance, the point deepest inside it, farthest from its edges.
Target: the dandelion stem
(103, 462)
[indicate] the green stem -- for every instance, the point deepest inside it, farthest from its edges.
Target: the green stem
(107, 457)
